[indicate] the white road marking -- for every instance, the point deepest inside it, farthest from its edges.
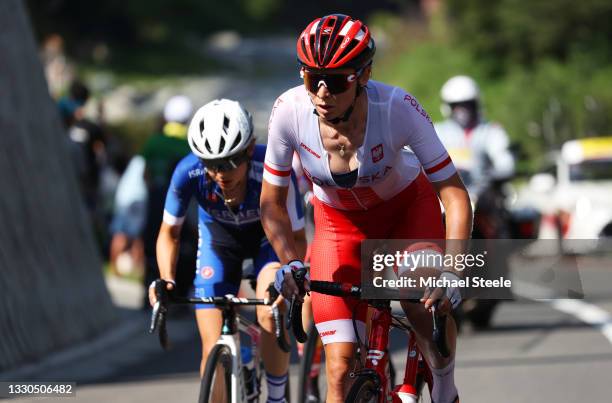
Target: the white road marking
(587, 313)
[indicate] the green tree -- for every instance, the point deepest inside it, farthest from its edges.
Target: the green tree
(512, 32)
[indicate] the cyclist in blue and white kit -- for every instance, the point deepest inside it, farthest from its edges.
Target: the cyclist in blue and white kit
(224, 174)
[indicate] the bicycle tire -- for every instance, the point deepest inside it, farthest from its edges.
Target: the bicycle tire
(306, 365)
(220, 357)
(364, 389)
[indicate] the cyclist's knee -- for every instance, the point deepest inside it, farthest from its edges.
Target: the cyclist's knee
(265, 318)
(209, 325)
(339, 360)
(265, 277)
(337, 373)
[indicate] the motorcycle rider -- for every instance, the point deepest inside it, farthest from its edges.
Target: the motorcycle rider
(480, 150)
(483, 146)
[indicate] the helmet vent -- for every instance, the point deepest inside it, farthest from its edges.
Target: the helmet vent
(208, 147)
(303, 46)
(222, 144)
(313, 51)
(348, 49)
(237, 141)
(197, 148)
(225, 123)
(202, 126)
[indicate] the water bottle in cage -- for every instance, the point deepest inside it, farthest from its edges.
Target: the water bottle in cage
(248, 373)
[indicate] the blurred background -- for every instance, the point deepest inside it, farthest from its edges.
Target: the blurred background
(107, 87)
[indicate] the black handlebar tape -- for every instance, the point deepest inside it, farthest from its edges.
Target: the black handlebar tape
(163, 333)
(336, 289)
(296, 321)
(272, 292)
(161, 292)
(295, 312)
(439, 335)
(279, 331)
(158, 317)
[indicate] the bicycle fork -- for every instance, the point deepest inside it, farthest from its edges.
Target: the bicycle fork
(377, 362)
(377, 357)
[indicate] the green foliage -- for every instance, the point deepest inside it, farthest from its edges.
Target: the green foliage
(522, 32)
(544, 67)
(260, 10)
(423, 69)
(540, 106)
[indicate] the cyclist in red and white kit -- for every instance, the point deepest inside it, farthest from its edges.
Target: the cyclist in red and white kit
(351, 136)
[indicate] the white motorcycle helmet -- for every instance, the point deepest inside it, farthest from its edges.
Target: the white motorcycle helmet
(220, 129)
(458, 89)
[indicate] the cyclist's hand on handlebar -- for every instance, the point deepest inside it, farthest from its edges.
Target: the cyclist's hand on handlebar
(449, 297)
(286, 284)
(170, 285)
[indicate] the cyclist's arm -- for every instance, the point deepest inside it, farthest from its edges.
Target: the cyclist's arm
(419, 134)
(458, 212)
(276, 222)
(278, 215)
(457, 208)
(175, 208)
(167, 250)
(299, 237)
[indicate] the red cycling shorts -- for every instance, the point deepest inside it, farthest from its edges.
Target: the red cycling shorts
(414, 213)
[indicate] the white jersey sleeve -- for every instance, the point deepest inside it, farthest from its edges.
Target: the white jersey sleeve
(281, 138)
(415, 130)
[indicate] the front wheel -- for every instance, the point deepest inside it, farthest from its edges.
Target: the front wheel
(216, 385)
(365, 389)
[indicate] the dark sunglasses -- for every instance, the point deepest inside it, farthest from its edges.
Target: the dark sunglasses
(225, 164)
(335, 83)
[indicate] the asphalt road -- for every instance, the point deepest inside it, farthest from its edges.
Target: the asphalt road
(533, 353)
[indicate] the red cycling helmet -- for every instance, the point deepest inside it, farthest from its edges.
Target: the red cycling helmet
(335, 41)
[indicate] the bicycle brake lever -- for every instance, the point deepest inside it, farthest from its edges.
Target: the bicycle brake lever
(439, 332)
(279, 330)
(154, 318)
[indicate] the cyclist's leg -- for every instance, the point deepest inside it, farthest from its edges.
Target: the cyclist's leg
(423, 221)
(307, 305)
(276, 361)
(336, 257)
(218, 272)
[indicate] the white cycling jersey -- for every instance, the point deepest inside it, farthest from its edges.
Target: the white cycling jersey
(482, 151)
(395, 120)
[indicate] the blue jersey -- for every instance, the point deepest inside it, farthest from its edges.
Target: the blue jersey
(190, 180)
(226, 237)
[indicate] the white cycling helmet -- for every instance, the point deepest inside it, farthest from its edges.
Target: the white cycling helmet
(460, 89)
(220, 129)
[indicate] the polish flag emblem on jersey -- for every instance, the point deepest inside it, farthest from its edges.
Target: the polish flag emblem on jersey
(377, 153)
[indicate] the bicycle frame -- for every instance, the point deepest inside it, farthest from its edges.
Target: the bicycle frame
(377, 358)
(233, 324)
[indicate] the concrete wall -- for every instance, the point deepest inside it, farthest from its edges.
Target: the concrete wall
(52, 292)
